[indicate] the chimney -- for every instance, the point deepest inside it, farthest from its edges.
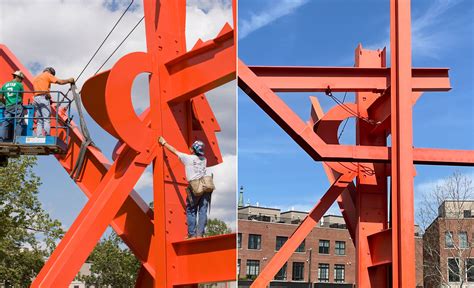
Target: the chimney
(241, 197)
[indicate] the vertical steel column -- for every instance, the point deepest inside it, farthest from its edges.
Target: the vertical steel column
(371, 196)
(402, 218)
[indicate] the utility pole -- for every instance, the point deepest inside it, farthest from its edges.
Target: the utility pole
(310, 250)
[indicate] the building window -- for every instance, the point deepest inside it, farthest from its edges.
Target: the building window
(255, 241)
(323, 246)
(339, 273)
(298, 271)
(323, 272)
(448, 239)
(467, 214)
(238, 268)
(340, 248)
(253, 268)
(470, 269)
(239, 240)
(301, 247)
(453, 270)
(463, 240)
(281, 275)
(280, 240)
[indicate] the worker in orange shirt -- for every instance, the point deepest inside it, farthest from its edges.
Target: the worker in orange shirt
(42, 99)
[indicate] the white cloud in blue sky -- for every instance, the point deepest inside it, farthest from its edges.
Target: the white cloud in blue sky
(430, 30)
(262, 18)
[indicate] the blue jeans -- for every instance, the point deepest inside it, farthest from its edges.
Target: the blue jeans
(6, 125)
(196, 207)
(43, 112)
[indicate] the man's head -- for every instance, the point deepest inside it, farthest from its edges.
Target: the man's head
(50, 70)
(197, 148)
(18, 76)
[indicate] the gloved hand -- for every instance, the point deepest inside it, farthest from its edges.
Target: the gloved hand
(162, 140)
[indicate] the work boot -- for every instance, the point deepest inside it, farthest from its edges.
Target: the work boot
(3, 161)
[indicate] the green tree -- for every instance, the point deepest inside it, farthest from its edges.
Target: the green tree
(27, 233)
(111, 265)
(216, 227)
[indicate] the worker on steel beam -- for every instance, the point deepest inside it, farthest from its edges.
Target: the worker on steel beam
(12, 97)
(42, 99)
(195, 168)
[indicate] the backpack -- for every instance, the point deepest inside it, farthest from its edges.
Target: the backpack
(202, 185)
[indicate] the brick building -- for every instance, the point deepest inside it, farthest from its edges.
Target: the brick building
(325, 258)
(448, 256)
(328, 250)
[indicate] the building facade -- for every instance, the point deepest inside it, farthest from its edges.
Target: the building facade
(326, 256)
(448, 256)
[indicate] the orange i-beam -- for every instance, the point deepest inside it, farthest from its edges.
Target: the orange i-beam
(402, 171)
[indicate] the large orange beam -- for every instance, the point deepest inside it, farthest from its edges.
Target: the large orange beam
(402, 219)
(297, 129)
(371, 187)
(81, 238)
(201, 260)
(342, 79)
(208, 60)
(303, 230)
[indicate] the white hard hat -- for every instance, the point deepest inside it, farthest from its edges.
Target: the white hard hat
(19, 74)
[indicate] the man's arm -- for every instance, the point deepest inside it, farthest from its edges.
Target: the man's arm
(65, 81)
(163, 142)
(2, 94)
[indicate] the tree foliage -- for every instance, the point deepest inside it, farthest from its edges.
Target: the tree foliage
(216, 227)
(458, 189)
(27, 233)
(112, 265)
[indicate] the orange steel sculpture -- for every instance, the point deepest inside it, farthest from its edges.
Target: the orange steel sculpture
(178, 111)
(384, 98)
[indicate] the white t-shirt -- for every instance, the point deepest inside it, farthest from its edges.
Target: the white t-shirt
(194, 166)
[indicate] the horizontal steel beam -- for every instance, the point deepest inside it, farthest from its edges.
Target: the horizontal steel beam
(380, 245)
(304, 135)
(213, 61)
(342, 79)
(210, 259)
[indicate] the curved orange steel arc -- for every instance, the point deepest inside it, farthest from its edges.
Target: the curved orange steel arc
(112, 107)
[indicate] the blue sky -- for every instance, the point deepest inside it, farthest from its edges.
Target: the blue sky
(273, 169)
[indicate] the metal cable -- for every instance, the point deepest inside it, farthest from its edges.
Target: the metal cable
(348, 109)
(126, 37)
(102, 44)
(77, 169)
(347, 119)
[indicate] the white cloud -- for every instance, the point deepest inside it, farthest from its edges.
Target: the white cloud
(429, 34)
(145, 181)
(272, 13)
(224, 201)
(205, 19)
(424, 189)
